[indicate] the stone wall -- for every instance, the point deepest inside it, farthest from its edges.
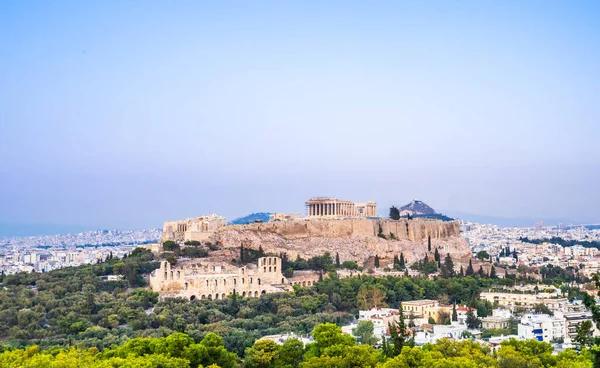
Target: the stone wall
(352, 239)
(210, 280)
(414, 230)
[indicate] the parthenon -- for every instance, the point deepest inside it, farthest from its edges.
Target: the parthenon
(333, 207)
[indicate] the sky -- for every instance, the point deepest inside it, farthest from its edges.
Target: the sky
(124, 114)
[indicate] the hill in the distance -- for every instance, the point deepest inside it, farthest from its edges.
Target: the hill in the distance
(416, 208)
(419, 209)
(253, 217)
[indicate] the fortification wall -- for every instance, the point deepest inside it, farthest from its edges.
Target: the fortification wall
(414, 230)
(353, 239)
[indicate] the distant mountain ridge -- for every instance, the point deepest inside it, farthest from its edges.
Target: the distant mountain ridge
(253, 217)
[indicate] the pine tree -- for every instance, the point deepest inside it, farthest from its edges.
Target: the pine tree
(470, 270)
(454, 313)
(429, 243)
(376, 261)
(436, 255)
(493, 273)
(337, 260)
(402, 260)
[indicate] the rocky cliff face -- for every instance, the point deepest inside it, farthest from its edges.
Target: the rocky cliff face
(353, 239)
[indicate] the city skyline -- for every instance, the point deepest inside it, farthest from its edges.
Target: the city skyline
(115, 115)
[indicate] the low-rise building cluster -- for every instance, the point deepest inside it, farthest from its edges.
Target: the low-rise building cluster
(51, 252)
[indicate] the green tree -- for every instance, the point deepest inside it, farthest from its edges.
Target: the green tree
(472, 321)
(447, 269)
(584, 335)
(470, 271)
(493, 274)
(542, 309)
(376, 262)
(394, 213)
(399, 335)
(483, 255)
(262, 354)
(454, 313)
(364, 332)
(290, 354)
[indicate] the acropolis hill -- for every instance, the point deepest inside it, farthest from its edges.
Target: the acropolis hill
(351, 230)
(353, 239)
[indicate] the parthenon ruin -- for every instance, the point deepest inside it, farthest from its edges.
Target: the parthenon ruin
(333, 207)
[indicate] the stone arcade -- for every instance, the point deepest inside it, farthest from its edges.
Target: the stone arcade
(213, 280)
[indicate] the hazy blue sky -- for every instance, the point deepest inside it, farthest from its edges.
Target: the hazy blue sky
(124, 114)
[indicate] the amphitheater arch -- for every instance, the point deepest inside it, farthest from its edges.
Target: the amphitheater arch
(192, 298)
(256, 294)
(203, 297)
(223, 296)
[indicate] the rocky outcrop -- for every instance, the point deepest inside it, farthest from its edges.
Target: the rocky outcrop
(352, 239)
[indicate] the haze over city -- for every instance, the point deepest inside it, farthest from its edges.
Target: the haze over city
(120, 115)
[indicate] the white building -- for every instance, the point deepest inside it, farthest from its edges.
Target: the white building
(542, 327)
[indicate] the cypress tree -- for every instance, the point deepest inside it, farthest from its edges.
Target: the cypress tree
(462, 272)
(493, 273)
(429, 243)
(470, 270)
(448, 269)
(242, 260)
(481, 273)
(376, 261)
(436, 255)
(402, 260)
(454, 313)
(396, 260)
(398, 333)
(337, 259)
